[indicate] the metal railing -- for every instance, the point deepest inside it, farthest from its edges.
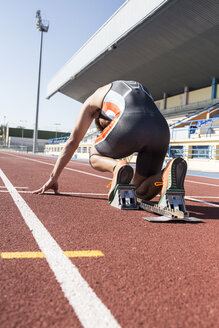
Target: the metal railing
(196, 129)
(209, 109)
(210, 152)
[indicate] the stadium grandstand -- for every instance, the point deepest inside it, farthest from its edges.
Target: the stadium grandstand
(171, 47)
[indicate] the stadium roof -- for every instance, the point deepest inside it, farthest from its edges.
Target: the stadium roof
(165, 45)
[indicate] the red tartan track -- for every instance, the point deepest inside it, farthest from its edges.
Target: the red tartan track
(151, 275)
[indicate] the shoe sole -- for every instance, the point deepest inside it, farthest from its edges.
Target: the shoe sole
(178, 173)
(176, 177)
(124, 176)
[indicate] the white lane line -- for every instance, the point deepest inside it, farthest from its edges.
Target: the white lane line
(100, 176)
(91, 312)
(97, 194)
(204, 183)
(204, 176)
(93, 194)
(61, 193)
(3, 187)
(211, 197)
(77, 162)
(66, 168)
(200, 201)
(70, 193)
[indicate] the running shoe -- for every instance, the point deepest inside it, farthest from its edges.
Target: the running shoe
(173, 176)
(122, 174)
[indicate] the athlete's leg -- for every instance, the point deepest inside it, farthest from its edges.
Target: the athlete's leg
(122, 172)
(101, 163)
(149, 187)
(148, 175)
(172, 177)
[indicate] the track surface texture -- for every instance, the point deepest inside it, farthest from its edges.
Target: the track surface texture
(151, 275)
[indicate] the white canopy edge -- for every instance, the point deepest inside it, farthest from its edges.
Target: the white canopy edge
(125, 19)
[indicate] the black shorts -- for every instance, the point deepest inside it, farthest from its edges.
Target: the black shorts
(139, 128)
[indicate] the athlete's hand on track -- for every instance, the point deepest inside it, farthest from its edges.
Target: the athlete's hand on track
(50, 184)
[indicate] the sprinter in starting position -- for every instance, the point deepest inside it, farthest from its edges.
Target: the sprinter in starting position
(130, 122)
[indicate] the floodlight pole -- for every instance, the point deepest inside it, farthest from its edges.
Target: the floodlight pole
(35, 134)
(42, 28)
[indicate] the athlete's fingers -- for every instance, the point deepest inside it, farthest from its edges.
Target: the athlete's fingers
(36, 191)
(39, 191)
(48, 185)
(42, 190)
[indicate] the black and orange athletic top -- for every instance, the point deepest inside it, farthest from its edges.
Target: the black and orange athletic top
(136, 123)
(123, 96)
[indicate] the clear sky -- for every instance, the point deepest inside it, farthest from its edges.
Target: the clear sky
(72, 23)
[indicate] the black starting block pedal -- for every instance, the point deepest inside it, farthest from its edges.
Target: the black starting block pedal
(171, 207)
(124, 197)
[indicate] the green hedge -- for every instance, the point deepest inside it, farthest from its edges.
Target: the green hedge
(28, 133)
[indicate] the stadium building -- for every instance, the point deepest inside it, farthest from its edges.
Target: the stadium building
(172, 48)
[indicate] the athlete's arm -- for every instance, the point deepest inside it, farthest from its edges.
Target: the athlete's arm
(89, 111)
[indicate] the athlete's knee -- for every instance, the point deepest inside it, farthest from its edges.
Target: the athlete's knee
(94, 157)
(93, 160)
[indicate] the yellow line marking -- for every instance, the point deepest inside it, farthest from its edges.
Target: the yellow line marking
(36, 255)
(83, 253)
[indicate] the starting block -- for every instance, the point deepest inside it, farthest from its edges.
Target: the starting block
(124, 197)
(171, 207)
